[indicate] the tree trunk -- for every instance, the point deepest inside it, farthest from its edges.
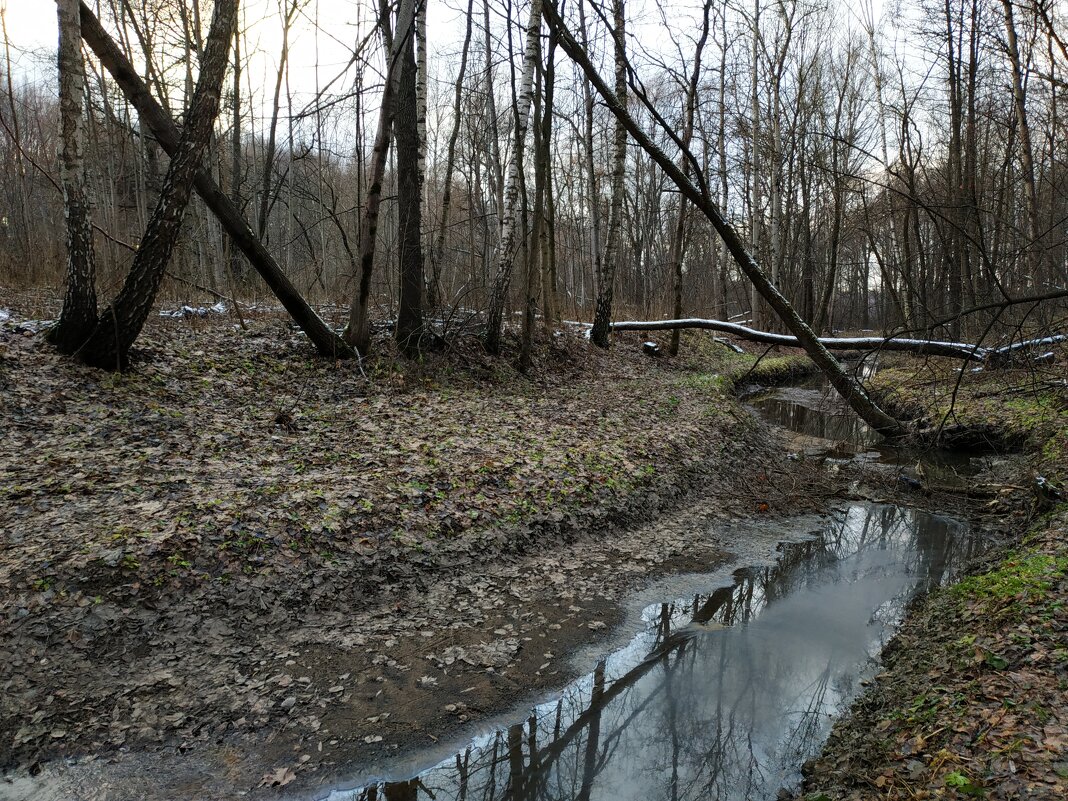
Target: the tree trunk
(593, 201)
(120, 324)
(78, 318)
(236, 265)
(166, 132)
(1027, 161)
(847, 386)
(421, 67)
(409, 204)
(547, 245)
(756, 202)
(918, 347)
(438, 249)
(602, 317)
(507, 246)
(358, 331)
(534, 246)
(272, 130)
(678, 239)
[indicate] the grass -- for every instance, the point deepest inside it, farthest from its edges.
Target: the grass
(1022, 581)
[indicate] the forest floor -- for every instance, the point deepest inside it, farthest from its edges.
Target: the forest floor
(279, 566)
(264, 567)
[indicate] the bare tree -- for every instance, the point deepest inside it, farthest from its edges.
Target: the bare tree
(602, 317)
(78, 317)
(506, 249)
(438, 248)
(846, 385)
(121, 322)
(409, 200)
(358, 331)
(678, 236)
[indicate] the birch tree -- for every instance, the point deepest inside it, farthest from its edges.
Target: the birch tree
(606, 278)
(120, 323)
(506, 249)
(78, 317)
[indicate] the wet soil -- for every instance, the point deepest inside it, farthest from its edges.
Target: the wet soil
(196, 606)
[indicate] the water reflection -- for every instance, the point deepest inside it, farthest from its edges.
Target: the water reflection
(815, 410)
(725, 694)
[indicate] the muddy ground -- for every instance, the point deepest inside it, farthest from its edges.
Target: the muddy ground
(256, 569)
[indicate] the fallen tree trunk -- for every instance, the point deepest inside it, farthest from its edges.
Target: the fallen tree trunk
(995, 357)
(1011, 354)
(918, 346)
(325, 339)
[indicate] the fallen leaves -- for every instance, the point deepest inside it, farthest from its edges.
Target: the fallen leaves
(177, 538)
(278, 778)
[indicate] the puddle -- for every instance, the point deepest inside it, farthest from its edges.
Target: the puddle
(724, 693)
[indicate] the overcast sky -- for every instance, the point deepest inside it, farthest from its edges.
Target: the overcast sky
(322, 40)
(31, 28)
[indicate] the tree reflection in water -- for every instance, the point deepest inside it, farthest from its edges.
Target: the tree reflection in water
(738, 687)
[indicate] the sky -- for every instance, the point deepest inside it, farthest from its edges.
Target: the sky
(31, 29)
(323, 38)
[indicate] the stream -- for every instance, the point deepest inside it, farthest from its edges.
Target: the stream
(822, 425)
(735, 679)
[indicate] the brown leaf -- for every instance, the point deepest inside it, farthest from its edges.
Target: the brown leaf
(278, 778)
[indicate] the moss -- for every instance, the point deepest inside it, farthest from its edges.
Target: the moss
(998, 409)
(748, 370)
(1020, 578)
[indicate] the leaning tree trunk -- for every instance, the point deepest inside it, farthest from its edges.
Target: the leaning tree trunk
(156, 119)
(409, 205)
(120, 324)
(602, 316)
(847, 386)
(507, 246)
(358, 331)
(78, 317)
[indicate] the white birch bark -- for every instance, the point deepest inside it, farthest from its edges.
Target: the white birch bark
(507, 247)
(421, 98)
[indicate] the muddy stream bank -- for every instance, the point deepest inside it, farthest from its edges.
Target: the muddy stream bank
(726, 692)
(733, 678)
(720, 680)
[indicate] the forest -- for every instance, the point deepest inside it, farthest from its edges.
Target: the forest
(367, 370)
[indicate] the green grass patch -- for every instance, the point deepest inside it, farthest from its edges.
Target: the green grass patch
(1019, 579)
